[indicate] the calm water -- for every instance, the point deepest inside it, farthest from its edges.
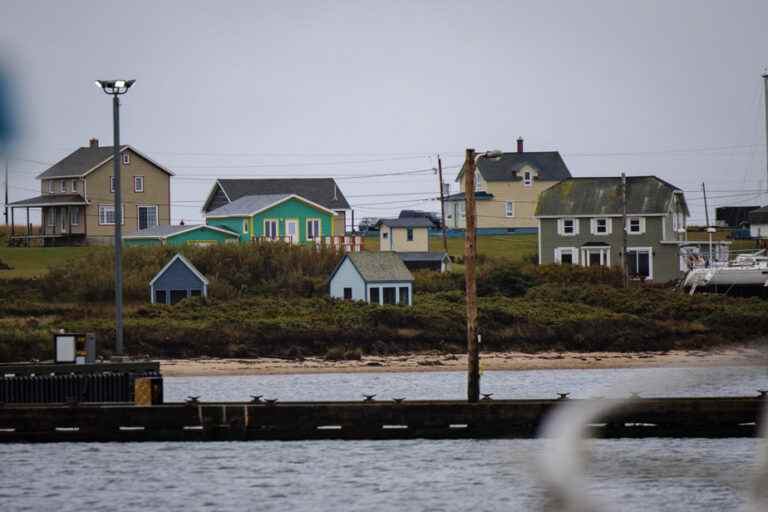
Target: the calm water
(389, 475)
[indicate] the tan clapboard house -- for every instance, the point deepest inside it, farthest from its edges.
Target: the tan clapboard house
(507, 189)
(77, 196)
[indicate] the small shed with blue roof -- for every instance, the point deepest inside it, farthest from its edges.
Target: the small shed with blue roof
(177, 280)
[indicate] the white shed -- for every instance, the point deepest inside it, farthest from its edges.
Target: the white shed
(374, 277)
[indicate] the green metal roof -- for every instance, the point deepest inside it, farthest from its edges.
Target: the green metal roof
(602, 196)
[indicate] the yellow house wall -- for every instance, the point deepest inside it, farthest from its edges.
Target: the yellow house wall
(397, 240)
(157, 191)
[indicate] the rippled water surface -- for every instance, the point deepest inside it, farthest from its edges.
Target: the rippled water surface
(414, 475)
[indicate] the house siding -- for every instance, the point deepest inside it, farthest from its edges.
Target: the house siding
(157, 192)
(234, 224)
(178, 277)
(197, 235)
(666, 263)
(347, 276)
(397, 240)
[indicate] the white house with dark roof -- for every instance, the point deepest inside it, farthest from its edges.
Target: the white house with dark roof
(373, 277)
(77, 196)
(506, 190)
(409, 238)
(320, 191)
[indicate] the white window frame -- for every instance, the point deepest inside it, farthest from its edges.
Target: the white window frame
(649, 250)
(509, 209)
(267, 234)
(138, 214)
(126, 158)
(63, 186)
(74, 185)
(245, 226)
(112, 184)
(574, 251)
(594, 225)
(561, 226)
(63, 217)
(478, 181)
(50, 187)
(104, 207)
(74, 216)
(319, 232)
(527, 178)
(641, 225)
(136, 181)
(605, 255)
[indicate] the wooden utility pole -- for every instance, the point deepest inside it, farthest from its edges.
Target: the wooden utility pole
(624, 259)
(6, 192)
(442, 203)
(470, 257)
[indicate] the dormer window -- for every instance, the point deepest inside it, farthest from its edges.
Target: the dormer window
(527, 179)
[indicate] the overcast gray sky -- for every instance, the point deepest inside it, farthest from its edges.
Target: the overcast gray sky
(671, 88)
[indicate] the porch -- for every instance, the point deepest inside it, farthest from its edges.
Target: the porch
(63, 221)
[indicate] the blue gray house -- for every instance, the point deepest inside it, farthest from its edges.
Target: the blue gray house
(177, 280)
(374, 277)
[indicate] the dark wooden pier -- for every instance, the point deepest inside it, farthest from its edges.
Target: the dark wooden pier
(264, 420)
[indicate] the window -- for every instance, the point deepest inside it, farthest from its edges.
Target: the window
(527, 179)
(568, 227)
(74, 218)
(390, 295)
(126, 158)
(74, 185)
(112, 184)
(509, 208)
(639, 262)
(374, 296)
(147, 217)
(313, 229)
(636, 225)
(138, 183)
(50, 214)
(63, 218)
(50, 186)
(566, 255)
(477, 181)
(384, 235)
(160, 297)
(178, 295)
(347, 293)
(409, 234)
(63, 186)
(601, 226)
(270, 229)
(404, 299)
(107, 215)
(462, 210)
(245, 226)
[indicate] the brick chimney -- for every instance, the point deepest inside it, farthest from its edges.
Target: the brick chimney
(93, 143)
(519, 144)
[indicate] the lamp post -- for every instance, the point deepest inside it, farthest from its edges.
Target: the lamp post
(470, 258)
(117, 88)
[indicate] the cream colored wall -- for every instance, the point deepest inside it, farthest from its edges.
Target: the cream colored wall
(157, 191)
(57, 186)
(399, 240)
(340, 223)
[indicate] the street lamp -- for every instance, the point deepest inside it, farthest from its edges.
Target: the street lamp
(470, 259)
(116, 88)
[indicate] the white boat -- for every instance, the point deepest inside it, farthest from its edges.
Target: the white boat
(745, 270)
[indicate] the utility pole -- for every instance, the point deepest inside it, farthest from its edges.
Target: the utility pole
(765, 83)
(470, 258)
(442, 203)
(624, 259)
(706, 216)
(6, 192)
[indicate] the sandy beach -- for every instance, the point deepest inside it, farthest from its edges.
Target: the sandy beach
(433, 361)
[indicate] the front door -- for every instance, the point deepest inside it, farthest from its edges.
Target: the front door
(292, 231)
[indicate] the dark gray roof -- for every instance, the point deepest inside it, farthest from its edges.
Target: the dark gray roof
(379, 266)
(479, 196)
(247, 205)
(317, 190)
(79, 162)
(602, 196)
(734, 216)
(166, 231)
(549, 164)
(51, 200)
(759, 216)
(408, 222)
(423, 256)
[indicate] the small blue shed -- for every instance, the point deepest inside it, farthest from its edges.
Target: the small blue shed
(177, 280)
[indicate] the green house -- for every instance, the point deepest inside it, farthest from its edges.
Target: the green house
(285, 217)
(198, 234)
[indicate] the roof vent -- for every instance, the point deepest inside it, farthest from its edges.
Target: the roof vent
(519, 144)
(93, 143)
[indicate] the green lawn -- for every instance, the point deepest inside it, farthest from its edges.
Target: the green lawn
(34, 261)
(515, 247)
